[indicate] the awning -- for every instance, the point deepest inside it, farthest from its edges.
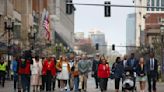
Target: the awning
(3, 48)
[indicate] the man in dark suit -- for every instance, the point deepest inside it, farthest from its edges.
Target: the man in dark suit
(132, 63)
(152, 72)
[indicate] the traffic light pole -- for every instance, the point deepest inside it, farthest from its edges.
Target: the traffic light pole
(115, 5)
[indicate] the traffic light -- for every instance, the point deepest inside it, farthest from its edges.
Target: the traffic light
(113, 47)
(69, 7)
(97, 46)
(107, 9)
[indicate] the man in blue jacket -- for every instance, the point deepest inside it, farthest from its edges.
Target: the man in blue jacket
(133, 63)
(15, 71)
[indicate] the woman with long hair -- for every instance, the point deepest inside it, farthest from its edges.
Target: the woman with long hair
(141, 73)
(49, 71)
(103, 73)
(36, 71)
(117, 69)
(64, 68)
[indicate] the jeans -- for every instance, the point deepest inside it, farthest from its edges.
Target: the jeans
(15, 76)
(76, 83)
(25, 80)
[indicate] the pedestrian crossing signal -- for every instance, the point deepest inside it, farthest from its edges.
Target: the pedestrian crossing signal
(107, 9)
(113, 47)
(97, 46)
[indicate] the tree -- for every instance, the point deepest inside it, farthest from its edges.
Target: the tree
(87, 48)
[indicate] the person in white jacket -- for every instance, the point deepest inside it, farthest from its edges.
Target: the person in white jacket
(36, 71)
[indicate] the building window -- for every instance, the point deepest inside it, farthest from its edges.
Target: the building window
(158, 5)
(148, 4)
(155, 3)
(152, 4)
(162, 4)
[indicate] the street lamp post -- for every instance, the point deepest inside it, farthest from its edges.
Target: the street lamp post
(32, 37)
(162, 50)
(9, 26)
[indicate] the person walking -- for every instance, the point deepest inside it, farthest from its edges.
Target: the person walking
(43, 86)
(103, 73)
(133, 63)
(95, 69)
(50, 72)
(118, 70)
(3, 70)
(24, 72)
(71, 63)
(64, 68)
(124, 61)
(152, 72)
(54, 78)
(36, 69)
(15, 71)
(141, 74)
(83, 67)
(75, 74)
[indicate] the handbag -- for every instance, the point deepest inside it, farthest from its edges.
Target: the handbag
(76, 73)
(59, 75)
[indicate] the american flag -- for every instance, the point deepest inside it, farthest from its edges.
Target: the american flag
(46, 25)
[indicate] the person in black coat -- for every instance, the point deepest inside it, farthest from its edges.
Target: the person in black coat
(152, 72)
(95, 64)
(141, 74)
(118, 70)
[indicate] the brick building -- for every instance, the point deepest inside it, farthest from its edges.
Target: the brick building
(152, 26)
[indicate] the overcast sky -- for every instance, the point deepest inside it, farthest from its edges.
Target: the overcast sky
(88, 17)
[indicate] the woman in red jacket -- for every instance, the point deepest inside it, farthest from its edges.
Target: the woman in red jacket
(49, 71)
(103, 73)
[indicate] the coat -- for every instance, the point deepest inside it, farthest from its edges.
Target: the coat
(153, 73)
(26, 68)
(132, 64)
(103, 71)
(47, 66)
(140, 71)
(95, 67)
(117, 69)
(59, 66)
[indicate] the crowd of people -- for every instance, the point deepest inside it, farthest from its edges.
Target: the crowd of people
(140, 70)
(71, 72)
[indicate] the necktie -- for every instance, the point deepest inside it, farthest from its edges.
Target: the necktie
(152, 64)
